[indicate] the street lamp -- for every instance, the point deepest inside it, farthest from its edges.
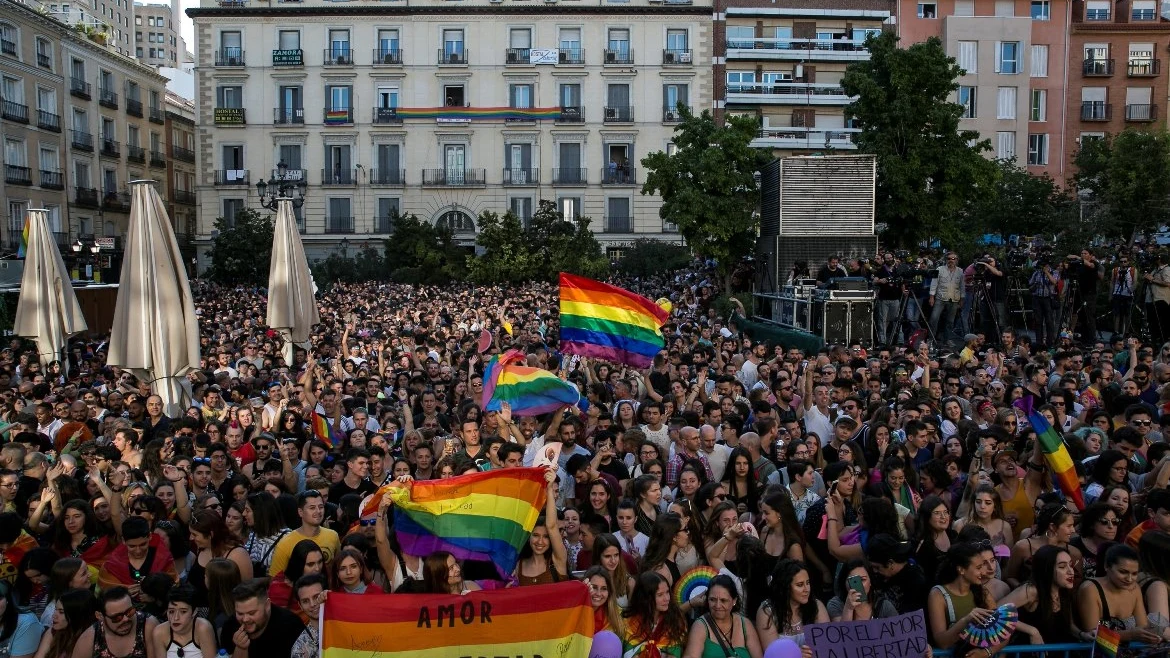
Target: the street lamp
(281, 187)
(344, 247)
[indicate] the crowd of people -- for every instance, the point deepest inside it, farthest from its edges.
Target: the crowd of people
(843, 484)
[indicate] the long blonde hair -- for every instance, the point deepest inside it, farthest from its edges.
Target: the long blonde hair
(613, 614)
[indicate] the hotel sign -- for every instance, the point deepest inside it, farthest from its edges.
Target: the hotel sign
(229, 116)
(288, 58)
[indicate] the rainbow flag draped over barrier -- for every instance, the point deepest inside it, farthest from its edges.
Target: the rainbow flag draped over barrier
(1107, 643)
(483, 516)
(1064, 473)
(552, 620)
(22, 249)
(605, 322)
(530, 391)
(321, 430)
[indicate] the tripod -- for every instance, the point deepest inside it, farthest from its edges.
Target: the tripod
(921, 320)
(982, 303)
(1018, 284)
(1066, 311)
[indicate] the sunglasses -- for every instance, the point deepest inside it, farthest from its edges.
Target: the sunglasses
(1112, 523)
(120, 616)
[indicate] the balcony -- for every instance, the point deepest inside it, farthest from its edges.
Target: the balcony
(384, 225)
(619, 224)
(387, 177)
(231, 177)
(338, 56)
(787, 93)
(799, 137)
(82, 141)
(387, 57)
(17, 175)
(134, 108)
(619, 57)
(45, 61)
(455, 57)
(518, 56)
(342, 117)
(80, 88)
(335, 177)
(108, 98)
(184, 197)
(1143, 68)
(1141, 113)
(86, 197)
(52, 180)
(336, 225)
(158, 160)
(677, 57)
(291, 57)
(800, 50)
(8, 47)
(619, 114)
(156, 115)
(386, 116)
(48, 121)
(288, 116)
(135, 154)
(230, 116)
(180, 153)
(110, 148)
(1096, 111)
(513, 176)
(573, 176)
(672, 114)
(1093, 68)
(571, 56)
(619, 175)
(116, 202)
(571, 114)
(229, 58)
(452, 177)
(14, 111)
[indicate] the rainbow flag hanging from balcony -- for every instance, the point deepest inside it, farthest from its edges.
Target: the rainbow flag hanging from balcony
(336, 117)
(22, 249)
(481, 113)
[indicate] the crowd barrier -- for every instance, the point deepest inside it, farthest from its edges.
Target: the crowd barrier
(1061, 651)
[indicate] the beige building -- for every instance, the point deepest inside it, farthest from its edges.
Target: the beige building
(157, 38)
(180, 180)
(397, 108)
(79, 122)
(110, 20)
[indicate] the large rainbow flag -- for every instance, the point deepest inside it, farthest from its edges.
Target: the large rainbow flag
(480, 113)
(1064, 473)
(530, 391)
(321, 430)
(556, 621)
(605, 322)
(483, 516)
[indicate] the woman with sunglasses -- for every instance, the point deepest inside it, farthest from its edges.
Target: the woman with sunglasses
(1097, 529)
(184, 635)
(1109, 469)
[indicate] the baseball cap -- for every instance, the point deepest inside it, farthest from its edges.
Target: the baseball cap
(1005, 454)
(885, 548)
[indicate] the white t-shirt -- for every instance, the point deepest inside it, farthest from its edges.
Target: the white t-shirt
(819, 424)
(717, 458)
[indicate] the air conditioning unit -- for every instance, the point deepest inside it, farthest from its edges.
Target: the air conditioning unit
(611, 114)
(610, 57)
(342, 60)
(388, 58)
(453, 58)
(513, 57)
(564, 57)
(672, 116)
(684, 57)
(668, 58)
(234, 61)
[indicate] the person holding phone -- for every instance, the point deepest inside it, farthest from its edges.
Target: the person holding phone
(853, 598)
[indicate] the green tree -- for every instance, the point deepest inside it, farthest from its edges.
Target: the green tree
(506, 257)
(647, 257)
(241, 251)
(1019, 203)
(559, 245)
(420, 252)
(1129, 176)
(927, 170)
(708, 185)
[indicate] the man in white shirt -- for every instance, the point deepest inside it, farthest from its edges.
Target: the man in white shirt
(818, 415)
(717, 454)
(946, 297)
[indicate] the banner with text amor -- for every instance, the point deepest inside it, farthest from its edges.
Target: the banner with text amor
(903, 636)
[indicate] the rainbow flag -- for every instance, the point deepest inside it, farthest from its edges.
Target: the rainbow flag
(321, 430)
(1064, 473)
(530, 391)
(483, 516)
(1107, 643)
(334, 117)
(557, 621)
(22, 249)
(605, 322)
(481, 113)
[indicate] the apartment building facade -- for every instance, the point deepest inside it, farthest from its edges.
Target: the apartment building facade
(1013, 54)
(1115, 69)
(157, 39)
(444, 110)
(179, 132)
(783, 64)
(79, 122)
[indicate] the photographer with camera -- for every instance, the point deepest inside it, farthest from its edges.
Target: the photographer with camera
(889, 297)
(1123, 281)
(1044, 285)
(990, 283)
(1086, 270)
(946, 297)
(1158, 292)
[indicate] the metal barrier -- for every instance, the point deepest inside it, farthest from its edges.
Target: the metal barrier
(1078, 650)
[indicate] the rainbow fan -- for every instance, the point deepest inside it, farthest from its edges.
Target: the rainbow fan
(995, 630)
(688, 586)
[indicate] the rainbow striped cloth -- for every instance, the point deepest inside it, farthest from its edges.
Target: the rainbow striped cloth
(1064, 473)
(530, 391)
(481, 113)
(22, 249)
(333, 117)
(1107, 643)
(557, 621)
(321, 430)
(483, 516)
(605, 322)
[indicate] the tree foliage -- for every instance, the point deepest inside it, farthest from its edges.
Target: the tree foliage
(549, 244)
(506, 257)
(1128, 178)
(647, 257)
(708, 186)
(366, 265)
(420, 252)
(241, 251)
(1019, 203)
(927, 169)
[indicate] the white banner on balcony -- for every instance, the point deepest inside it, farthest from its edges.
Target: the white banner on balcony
(543, 55)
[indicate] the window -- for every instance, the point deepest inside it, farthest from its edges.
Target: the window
(47, 99)
(741, 36)
(570, 95)
(233, 157)
(13, 89)
(456, 221)
(520, 38)
(520, 96)
(109, 130)
(1007, 61)
(740, 81)
(289, 40)
(1097, 10)
(619, 42)
(1141, 59)
(1038, 149)
(453, 96)
(339, 45)
(106, 80)
(570, 39)
(617, 215)
(8, 37)
(14, 153)
(676, 40)
(927, 10)
(231, 208)
(132, 136)
(387, 98)
(1143, 10)
(518, 163)
(339, 97)
(340, 216)
(49, 159)
(1005, 8)
(1041, 10)
(967, 100)
(81, 174)
(229, 96)
(1039, 105)
(570, 207)
(388, 164)
(1137, 104)
(964, 7)
(969, 56)
(1005, 103)
(1005, 145)
(1093, 105)
(674, 95)
(388, 43)
(1039, 61)
(44, 53)
(387, 210)
(133, 91)
(453, 45)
